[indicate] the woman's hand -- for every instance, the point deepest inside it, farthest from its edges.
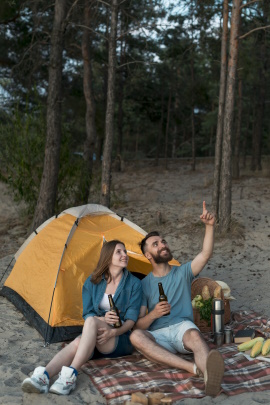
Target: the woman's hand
(111, 318)
(104, 335)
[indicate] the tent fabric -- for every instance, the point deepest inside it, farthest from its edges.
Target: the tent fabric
(54, 262)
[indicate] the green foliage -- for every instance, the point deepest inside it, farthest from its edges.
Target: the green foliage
(206, 310)
(22, 138)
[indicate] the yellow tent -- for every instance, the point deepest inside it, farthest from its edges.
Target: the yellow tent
(52, 265)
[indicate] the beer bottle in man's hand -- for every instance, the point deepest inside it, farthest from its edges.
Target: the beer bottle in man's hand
(114, 309)
(162, 296)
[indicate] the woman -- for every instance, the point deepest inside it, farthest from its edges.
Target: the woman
(98, 337)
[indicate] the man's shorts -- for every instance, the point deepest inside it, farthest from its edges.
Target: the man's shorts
(123, 347)
(171, 337)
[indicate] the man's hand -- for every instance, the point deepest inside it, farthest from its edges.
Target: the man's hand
(207, 218)
(161, 309)
(202, 258)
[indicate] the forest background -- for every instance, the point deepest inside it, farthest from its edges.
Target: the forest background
(87, 85)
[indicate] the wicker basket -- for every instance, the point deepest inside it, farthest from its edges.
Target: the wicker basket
(196, 288)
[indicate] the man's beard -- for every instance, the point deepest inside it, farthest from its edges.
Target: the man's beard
(162, 259)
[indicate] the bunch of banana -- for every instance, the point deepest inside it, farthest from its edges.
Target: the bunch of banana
(257, 345)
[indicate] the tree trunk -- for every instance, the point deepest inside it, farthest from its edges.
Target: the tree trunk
(244, 146)
(193, 147)
(236, 154)
(89, 145)
(261, 95)
(159, 134)
(167, 129)
(109, 130)
(120, 116)
(121, 84)
(253, 158)
(222, 92)
(175, 129)
(226, 166)
(137, 145)
(100, 137)
(211, 135)
(45, 207)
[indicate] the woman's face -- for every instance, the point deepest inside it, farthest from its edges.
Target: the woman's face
(120, 257)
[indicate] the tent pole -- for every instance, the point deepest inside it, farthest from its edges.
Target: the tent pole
(6, 270)
(76, 223)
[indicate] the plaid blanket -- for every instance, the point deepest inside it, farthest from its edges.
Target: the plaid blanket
(117, 379)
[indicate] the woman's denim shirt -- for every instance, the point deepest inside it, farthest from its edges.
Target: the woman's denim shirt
(127, 297)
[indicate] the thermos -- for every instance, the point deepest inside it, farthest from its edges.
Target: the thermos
(218, 316)
(228, 335)
(218, 321)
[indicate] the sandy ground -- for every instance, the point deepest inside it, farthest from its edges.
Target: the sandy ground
(154, 198)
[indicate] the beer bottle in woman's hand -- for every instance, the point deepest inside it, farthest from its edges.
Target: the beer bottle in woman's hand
(113, 308)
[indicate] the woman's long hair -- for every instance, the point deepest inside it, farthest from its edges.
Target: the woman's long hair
(104, 262)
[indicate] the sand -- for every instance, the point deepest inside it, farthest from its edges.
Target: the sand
(154, 198)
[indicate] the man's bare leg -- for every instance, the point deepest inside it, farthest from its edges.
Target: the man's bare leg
(209, 362)
(145, 343)
(194, 342)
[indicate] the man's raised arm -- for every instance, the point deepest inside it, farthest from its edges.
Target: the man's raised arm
(202, 258)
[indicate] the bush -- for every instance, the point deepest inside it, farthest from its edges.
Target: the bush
(22, 139)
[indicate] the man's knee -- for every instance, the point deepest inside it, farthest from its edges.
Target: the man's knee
(136, 337)
(193, 338)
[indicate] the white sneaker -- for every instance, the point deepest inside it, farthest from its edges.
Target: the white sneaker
(38, 382)
(65, 383)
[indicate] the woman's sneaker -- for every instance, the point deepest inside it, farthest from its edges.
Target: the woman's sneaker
(65, 383)
(38, 382)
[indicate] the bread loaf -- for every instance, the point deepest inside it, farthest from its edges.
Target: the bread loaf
(217, 292)
(166, 400)
(154, 398)
(140, 398)
(206, 293)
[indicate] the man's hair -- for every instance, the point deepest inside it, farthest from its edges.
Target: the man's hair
(143, 242)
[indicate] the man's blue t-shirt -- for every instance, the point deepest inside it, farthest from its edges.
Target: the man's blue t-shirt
(177, 287)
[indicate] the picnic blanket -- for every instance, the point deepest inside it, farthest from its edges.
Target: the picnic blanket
(117, 379)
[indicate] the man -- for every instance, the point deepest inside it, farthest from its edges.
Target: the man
(167, 328)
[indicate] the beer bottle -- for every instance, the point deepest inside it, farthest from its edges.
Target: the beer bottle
(162, 296)
(114, 309)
